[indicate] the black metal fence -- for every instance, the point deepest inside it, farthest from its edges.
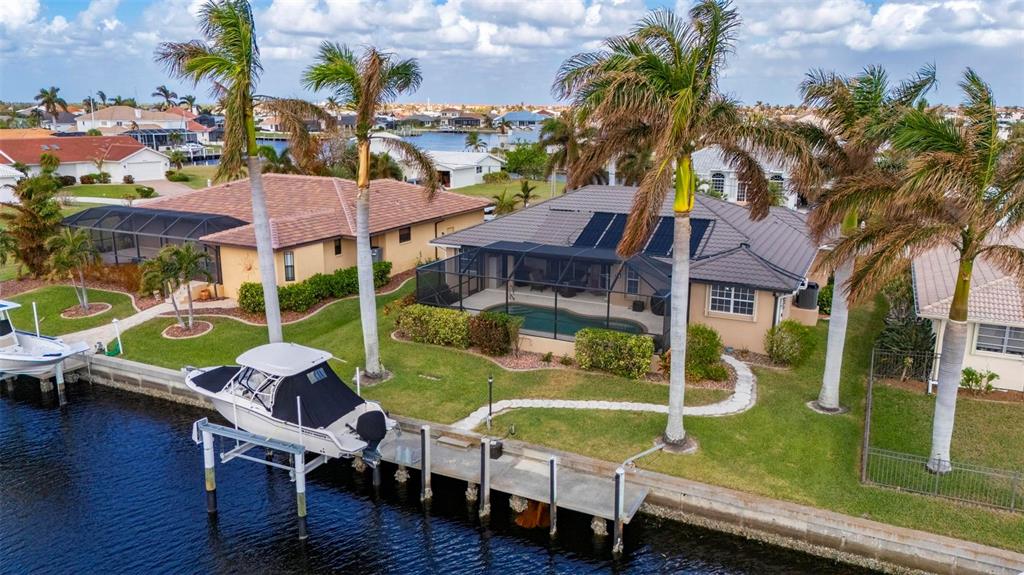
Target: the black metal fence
(965, 482)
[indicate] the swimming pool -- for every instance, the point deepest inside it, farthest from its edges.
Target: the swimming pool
(542, 319)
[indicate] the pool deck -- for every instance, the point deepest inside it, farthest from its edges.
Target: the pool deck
(584, 303)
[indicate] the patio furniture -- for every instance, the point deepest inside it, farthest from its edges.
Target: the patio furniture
(639, 305)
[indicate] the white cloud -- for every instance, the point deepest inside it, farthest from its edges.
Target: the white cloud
(16, 14)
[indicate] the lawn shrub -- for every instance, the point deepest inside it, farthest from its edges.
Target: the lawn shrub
(87, 179)
(825, 299)
(615, 352)
(101, 178)
(320, 286)
(788, 343)
(301, 296)
(174, 176)
(704, 353)
(128, 179)
(65, 181)
(381, 274)
(495, 333)
(495, 177)
(344, 282)
(145, 191)
(436, 325)
(297, 297)
(978, 381)
(395, 306)
(250, 297)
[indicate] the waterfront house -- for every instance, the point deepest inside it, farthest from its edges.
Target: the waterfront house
(122, 156)
(523, 119)
(466, 121)
(458, 169)
(312, 225)
(126, 117)
(63, 122)
(710, 166)
(555, 264)
(995, 311)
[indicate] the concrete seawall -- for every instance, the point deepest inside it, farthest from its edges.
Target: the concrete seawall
(849, 539)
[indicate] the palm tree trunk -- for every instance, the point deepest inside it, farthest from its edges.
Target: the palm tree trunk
(828, 398)
(675, 433)
(364, 264)
(188, 290)
(264, 248)
(951, 363)
(78, 293)
(174, 304)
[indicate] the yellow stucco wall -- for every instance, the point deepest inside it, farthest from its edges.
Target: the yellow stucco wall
(737, 331)
(405, 256)
(1009, 367)
(334, 262)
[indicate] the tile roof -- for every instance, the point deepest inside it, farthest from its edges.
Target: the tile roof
(995, 296)
(774, 253)
(69, 150)
(129, 114)
(304, 209)
(9, 172)
(23, 133)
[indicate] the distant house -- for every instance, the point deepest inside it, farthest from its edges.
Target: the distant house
(709, 165)
(64, 122)
(995, 311)
(418, 120)
(8, 179)
(450, 113)
(466, 121)
(523, 119)
(121, 155)
(127, 118)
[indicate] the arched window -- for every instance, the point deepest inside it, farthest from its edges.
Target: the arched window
(741, 192)
(778, 190)
(718, 183)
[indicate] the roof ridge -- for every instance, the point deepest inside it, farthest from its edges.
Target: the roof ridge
(722, 217)
(344, 206)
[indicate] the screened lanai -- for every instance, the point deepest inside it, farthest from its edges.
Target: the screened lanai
(127, 235)
(558, 290)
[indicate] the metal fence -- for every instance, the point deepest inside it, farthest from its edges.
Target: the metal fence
(965, 482)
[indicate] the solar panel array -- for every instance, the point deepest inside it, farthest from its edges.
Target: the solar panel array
(604, 230)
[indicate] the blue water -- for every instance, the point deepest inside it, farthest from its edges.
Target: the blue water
(543, 319)
(445, 141)
(114, 484)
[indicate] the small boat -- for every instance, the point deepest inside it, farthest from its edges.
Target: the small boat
(288, 392)
(27, 353)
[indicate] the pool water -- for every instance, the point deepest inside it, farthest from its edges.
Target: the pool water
(542, 319)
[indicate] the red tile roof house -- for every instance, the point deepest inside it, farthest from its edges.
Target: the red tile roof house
(312, 223)
(995, 311)
(121, 156)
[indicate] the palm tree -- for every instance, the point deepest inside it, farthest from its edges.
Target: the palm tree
(503, 126)
(177, 158)
(166, 94)
(474, 143)
(363, 85)
(525, 193)
(658, 86)
(632, 165)
(48, 162)
(230, 59)
(962, 188)
(274, 162)
(566, 133)
(161, 274)
(504, 203)
(190, 263)
(188, 100)
(89, 103)
(860, 114)
(71, 251)
(384, 167)
(51, 101)
(102, 96)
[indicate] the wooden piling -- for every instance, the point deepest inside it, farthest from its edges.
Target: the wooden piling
(425, 492)
(208, 467)
(300, 494)
(620, 491)
(62, 396)
(485, 477)
(553, 492)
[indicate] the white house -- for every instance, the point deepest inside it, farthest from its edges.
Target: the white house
(79, 155)
(709, 165)
(995, 311)
(8, 179)
(125, 116)
(457, 169)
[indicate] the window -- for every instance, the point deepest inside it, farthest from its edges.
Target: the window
(337, 246)
(718, 183)
(732, 299)
(289, 266)
(1000, 339)
(741, 192)
(479, 169)
(778, 189)
(632, 281)
(404, 234)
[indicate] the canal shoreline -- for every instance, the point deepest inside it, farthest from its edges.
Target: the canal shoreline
(835, 536)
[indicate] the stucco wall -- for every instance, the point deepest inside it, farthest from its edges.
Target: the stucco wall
(309, 260)
(1009, 367)
(334, 262)
(405, 256)
(737, 331)
(237, 265)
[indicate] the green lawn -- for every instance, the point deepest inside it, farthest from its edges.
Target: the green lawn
(488, 191)
(115, 191)
(197, 175)
(52, 300)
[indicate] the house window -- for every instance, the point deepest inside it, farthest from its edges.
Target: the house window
(337, 246)
(632, 281)
(732, 299)
(404, 234)
(777, 184)
(718, 183)
(289, 266)
(1000, 339)
(741, 192)
(479, 169)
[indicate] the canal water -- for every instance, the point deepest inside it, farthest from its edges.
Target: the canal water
(113, 484)
(446, 141)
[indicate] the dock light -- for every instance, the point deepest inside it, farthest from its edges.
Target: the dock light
(490, 399)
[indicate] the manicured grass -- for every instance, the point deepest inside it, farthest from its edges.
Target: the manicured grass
(197, 175)
(52, 300)
(114, 191)
(488, 191)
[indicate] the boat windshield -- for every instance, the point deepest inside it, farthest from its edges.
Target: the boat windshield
(255, 385)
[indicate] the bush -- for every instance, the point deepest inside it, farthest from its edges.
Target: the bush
(65, 181)
(615, 352)
(381, 274)
(344, 282)
(495, 177)
(169, 173)
(145, 191)
(175, 176)
(978, 381)
(703, 355)
(436, 325)
(320, 284)
(565, 360)
(547, 357)
(400, 303)
(103, 177)
(303, 295)
(788, 343)
(250, 297)
(495, 333)
(825, 299)
(911, 337)
(297, 297)
(128, 179)
(87, 179)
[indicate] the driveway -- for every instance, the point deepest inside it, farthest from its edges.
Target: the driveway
(165, 188)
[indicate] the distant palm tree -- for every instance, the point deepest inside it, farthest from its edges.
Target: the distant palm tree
(119, 101)
(504, 203)
(229, 58)
(71, 251)
(525, 193)
(384, 167)
(566, 133)
(275, 162)
(102, 96)
(48, 162)
(632, 165)
(51, 101)
(169, 97)
(962, 188)
(474, 143)
(502, 126)
(188, 100)
(364, 85)
(177, 158)
(89, 103)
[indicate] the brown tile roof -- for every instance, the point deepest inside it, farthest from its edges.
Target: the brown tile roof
(129, 114)
(71, 149)
(23, 133)
(304, 209)
(995, 296)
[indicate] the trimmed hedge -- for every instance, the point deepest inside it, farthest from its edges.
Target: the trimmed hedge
(494, 177)
(436, 325)
(65, 181)
(703, 355)
(495, 333)
(788, 343)
(128, 179)
(825, 299)
(145, 191)
(87, 179)
(173, 176)
(615, 352)
(303, 295)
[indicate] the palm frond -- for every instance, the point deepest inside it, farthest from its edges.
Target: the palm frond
(418, 159)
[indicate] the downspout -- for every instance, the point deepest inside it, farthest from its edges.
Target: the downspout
(778, 312)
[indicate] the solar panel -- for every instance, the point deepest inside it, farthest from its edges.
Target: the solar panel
(613, 234)
(592, 231)
(698, 227)
(660, 244)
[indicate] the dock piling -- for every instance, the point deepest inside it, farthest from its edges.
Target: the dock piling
(553, 492)
(45, 385)
(425, 492)
(208, 467)
(485, 477)
(376, 476)
(62, 396)
(300, 494)
(620, 491)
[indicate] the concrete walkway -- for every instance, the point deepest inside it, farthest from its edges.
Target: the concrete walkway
(742, 399)
(106, 333)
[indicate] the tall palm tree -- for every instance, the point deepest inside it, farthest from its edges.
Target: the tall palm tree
(566, 133)
(51, 101)
(168, 96)
(188, 100)
(962, 188)
(525, 193)
(71, 251)
(658, 86)
(190, 262)
(177, 158)
(474, 143)
(502, 126)
(89, 103)
(102, 96)
(229, 58)
(161, 274)
(860, 114)
(364, 85)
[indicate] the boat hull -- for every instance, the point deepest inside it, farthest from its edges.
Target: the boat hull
(36, 355)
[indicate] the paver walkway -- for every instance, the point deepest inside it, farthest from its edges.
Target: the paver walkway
(106, 333)
(742, 399)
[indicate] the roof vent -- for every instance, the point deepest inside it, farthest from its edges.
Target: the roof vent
(45, 147)
(54, 147)
(138, 113)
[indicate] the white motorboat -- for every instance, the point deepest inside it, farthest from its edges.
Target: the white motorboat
(27, 353)
(288, 392)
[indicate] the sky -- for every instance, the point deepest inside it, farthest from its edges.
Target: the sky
(508, 51)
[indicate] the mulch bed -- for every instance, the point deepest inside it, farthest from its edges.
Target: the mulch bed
(176, 331)
(76, 311)
(729, 383)
(757, 359)
(999, 395)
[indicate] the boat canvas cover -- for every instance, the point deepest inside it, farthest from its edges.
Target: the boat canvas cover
(215, 379)
(325, 398)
